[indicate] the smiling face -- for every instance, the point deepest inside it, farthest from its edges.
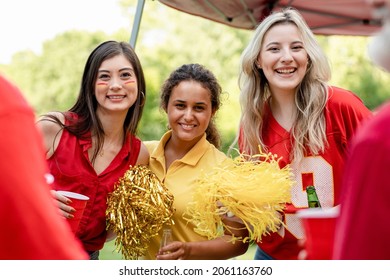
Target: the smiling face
(283, 58)
(189, 111)
(116, 84)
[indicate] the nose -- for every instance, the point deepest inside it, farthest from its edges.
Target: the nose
(115, 84)
(287, 56)
(188, 115)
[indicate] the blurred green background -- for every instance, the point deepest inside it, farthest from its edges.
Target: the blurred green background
(50, 80)
(167, 39)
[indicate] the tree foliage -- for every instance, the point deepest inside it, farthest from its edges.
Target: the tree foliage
(167, 39)
(353, 70)
(51, 79)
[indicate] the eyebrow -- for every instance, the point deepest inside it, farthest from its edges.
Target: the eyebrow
(196, 103)
(122, 69)
(278, 43)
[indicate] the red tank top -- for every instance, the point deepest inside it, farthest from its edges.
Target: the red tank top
(73, 171)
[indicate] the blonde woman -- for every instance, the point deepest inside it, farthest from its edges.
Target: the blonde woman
(288, 109)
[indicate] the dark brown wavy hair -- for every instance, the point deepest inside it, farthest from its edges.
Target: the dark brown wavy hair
(86, 104)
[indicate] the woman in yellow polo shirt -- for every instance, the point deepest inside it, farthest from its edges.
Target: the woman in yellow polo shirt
(191, 98)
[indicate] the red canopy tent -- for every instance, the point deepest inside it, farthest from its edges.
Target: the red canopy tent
(325, 17)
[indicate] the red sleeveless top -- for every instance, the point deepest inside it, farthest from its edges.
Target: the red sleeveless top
(73, 171)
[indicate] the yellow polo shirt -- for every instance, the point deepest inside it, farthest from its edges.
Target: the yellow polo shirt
(180, 179)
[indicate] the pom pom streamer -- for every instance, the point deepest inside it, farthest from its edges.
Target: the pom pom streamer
(137, 209)
(253, 190)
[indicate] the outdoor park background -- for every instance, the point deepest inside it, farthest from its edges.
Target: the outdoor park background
(167, 39)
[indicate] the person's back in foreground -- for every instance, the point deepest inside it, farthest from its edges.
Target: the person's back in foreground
(31, 226)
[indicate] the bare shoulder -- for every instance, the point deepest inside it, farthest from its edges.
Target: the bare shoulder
(50, 130)
(143, 157)
(47, 124)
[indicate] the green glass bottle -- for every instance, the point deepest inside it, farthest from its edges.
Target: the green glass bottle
(312, 198)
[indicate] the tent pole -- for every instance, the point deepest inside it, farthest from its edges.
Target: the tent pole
(137, 20)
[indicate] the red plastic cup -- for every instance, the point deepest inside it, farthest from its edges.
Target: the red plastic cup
(319, 226)
(79, 202)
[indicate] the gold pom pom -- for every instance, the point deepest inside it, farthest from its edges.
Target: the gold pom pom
(137, 209)
(253, 190)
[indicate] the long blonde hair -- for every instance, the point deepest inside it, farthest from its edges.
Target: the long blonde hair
(309, 129)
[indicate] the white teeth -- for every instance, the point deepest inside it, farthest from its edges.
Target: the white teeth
(187, 126)
(115, 97)
(285, 71)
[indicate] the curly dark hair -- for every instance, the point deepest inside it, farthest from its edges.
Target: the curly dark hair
(200, 74)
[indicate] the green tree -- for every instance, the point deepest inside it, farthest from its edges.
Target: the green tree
(173, 38)
(353, 70)
(51, 80)
(167, 39)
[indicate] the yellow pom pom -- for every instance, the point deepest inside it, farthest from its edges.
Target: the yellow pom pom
(253, 190)
(137, 209)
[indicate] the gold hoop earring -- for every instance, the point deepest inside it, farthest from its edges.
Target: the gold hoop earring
(143, 99)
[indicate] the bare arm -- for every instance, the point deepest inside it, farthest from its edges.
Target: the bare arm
(51, 133)
(216, 249)
(143, 157)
